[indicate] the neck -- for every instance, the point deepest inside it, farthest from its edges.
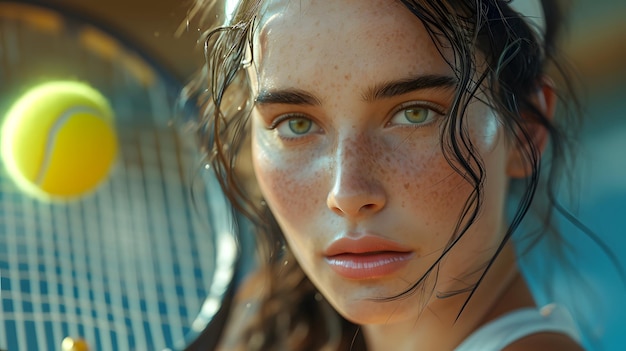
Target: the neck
(440, 327)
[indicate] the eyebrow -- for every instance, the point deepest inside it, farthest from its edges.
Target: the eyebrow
(382, 91)
(286, 96)
(408, 85)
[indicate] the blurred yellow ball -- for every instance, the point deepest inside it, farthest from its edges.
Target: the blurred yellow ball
(70, 344)
(59, 141)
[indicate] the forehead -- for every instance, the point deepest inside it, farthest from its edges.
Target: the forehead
(372, 39)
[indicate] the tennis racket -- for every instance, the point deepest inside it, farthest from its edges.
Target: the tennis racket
(144, 262)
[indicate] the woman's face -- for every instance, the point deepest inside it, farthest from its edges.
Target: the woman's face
(351, 97)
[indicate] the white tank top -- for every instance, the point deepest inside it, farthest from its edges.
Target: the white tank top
(501, 332)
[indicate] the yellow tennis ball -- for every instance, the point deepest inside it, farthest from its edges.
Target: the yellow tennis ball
(58, 140)
(70, 344)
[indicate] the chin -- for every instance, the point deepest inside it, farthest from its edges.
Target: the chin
(367, 311)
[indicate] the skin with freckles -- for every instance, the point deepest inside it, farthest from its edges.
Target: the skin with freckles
(344, 148)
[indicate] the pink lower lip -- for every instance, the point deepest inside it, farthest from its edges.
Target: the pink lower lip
(368, 265)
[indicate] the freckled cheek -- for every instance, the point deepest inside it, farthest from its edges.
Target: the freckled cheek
(427, 185)
(289, 185)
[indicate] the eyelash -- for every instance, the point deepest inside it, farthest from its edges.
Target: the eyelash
(276, 123)
(282, 118)
(426, 105)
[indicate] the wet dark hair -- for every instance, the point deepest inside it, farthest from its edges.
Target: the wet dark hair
(516, 57)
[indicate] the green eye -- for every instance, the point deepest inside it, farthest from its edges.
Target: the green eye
(300, 126)
(416, 115)
(295, 126)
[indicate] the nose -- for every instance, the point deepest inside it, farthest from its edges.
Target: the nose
(357, 191)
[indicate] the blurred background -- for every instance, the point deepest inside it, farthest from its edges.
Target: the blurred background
(142, 262)
(133, 267)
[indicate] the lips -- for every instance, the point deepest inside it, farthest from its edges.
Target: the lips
(367, 257)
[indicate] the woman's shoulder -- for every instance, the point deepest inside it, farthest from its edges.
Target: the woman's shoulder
(536, 329)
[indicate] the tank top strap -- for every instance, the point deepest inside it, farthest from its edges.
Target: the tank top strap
(501, 332)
